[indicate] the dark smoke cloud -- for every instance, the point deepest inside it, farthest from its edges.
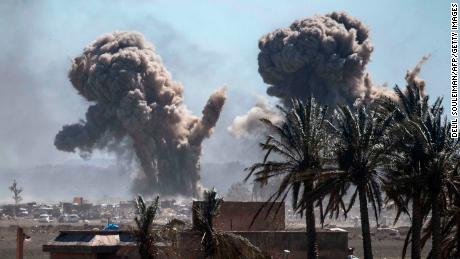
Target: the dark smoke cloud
(135, 99)
(323, 55)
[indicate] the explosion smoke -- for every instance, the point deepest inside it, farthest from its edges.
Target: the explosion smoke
(412, 75)
(324, 56)
(249, 123)
(136, 99)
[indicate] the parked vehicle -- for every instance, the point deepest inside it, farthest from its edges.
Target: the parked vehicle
(73, 218)
(23, 212)
(45, 218)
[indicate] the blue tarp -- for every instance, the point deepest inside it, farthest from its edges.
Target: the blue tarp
(111, 227)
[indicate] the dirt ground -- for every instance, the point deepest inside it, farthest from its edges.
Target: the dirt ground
(382, 249)
(42, 233)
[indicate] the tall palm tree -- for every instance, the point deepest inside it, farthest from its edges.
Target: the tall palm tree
(295, 148)
(407, 178)
(449, 233)
(441, 171)
(144, 222)
(441, 181)
(359, 153)
(423, 163)
(404, 183)
(453, 214)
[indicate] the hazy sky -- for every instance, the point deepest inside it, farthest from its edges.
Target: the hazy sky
(204, 44)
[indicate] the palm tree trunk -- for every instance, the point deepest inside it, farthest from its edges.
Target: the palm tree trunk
(365, 226)
(458, 235)
(312, 247)
(436, 228)
(416, 227)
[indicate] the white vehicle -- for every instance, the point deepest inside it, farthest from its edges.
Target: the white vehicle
(73, 218)
(23, 212)
(45, 218)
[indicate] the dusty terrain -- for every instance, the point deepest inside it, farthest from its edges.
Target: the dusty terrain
(42, 233)
(388, 248)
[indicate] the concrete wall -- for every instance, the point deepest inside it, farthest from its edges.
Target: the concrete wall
(133, 254)
(237, 216)
(72, 256)
(332, 245)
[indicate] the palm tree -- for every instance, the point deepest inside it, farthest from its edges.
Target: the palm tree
(360, 150)
(404, 183)
(450, 227)
(449, 233)
(453, 213)
(423, 163)
(295, 149)
(441, 171)
(205, 215)
(217, 244)
(144, 222)
(441, 181)
(407, 178)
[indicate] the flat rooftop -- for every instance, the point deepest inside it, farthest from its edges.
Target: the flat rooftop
(90, 241)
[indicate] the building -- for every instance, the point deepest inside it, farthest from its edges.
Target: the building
(268, 233)
(78, 200)
(74, 244)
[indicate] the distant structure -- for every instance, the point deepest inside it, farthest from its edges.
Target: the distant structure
(78, 200)
(237, 216)
(268, 233)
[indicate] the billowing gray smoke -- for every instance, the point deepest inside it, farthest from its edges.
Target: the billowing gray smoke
(323, 55)
(135, 100)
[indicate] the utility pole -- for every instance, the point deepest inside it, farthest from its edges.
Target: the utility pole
(19, 243)
(20, 237)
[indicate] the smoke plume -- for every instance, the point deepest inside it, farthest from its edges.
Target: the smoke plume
(136, 101)
(249, 124)
(324, 56)
(412, 75)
